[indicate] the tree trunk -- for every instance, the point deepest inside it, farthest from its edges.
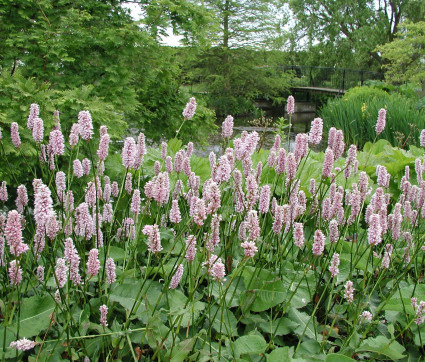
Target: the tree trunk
(226, 24)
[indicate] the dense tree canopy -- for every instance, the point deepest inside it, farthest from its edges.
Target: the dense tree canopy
(406, 54)
(346, 32)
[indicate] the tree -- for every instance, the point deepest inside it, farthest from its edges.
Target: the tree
(406, 55)
(89, 50)
(346, 32)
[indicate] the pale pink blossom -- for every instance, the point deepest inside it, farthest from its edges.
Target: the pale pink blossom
(227, 127)
(57, 142)
(380, 123)
(175, 215)
(93, 263)
(103, 150)
(73, 259)
(189, 111)
(328, 162)
(190, 248)
(103, 315)
(333, 268)
(175, 280)
(264, 203)
(299, 234)
(34, 113)
(86, 125)
(86, 166)
(61, 272)
(128, 185)
(110, 271)
(14, 134)
(78, 168)
(40, 273)
(290, 105)
(250, 249)
(13, 234)
(3, 192)
(38, 130)
(319, 243)
(22, 198)
(15, 273)
(154, 238)
(349, 291)
(74, 134)
(135, 202)
(316, 131)
(23, 344)
(129, 152)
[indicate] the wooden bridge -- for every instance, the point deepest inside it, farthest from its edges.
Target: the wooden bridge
(326, 80)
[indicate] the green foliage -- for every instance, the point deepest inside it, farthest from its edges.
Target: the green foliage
(345, 33)
(357, 111)
(233, 79)
(405, 54)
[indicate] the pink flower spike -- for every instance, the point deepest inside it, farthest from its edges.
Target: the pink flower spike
(175, 280)
(103, 315)
(3, 192)
(57, 142)
(23, 344)
(227, 127)
(380, 123)
(334, 265)
(34, 113)
(61, 272)
(316, 131)
(110, 271)
(14, 134)
(38, 130)
(319, 243)
(349, 291)
(86, 125)
(190, 248)
(103, 150)
(15, 273)
(93, 263)
(175, 215)
(189, 111)
(154, 238)
(290, 106)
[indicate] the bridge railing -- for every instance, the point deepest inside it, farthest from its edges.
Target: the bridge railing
(332, 78)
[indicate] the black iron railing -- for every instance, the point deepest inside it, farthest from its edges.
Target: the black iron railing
(331, 78)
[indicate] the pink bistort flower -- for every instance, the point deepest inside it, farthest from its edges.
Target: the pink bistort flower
(93, 263)
(86, 125)
(189, 111)
(380, 123)
(14, 134)
(175, 280)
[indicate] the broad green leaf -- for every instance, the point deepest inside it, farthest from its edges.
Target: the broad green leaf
(181, 350)
(279, 327)
(305, 324)
(336, 357)
(283, 354)
(224, 321)
(250, 345)
(264, 289)
(382, 346)
(35, 315)
(185, 312)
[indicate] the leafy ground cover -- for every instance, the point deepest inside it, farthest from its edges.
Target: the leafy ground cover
(249, 255)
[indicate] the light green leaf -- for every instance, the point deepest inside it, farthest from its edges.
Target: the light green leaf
(283, 354)
(35, 315)
(336, 357)
(250, 345)
(305, 324)
(383, 346)
(264, 289)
